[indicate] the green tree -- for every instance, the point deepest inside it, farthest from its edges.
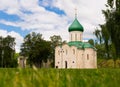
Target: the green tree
(36, 49)
(112, 16)
(7, 51)
(56, 40)
(105, 38)
(101, 53)
(98, 34)
(91, 41)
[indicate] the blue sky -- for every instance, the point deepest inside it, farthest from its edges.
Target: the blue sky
(48, 17)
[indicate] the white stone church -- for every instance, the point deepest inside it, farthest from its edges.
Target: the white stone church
(76, 53)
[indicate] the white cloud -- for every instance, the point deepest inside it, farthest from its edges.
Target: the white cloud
(89, 12)
(18, 38)
(49, 23)
(11, 7)
(3, 33)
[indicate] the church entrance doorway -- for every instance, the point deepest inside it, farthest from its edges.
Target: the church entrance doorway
(65, 64)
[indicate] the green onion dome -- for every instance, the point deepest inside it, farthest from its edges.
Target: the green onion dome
(76, 26)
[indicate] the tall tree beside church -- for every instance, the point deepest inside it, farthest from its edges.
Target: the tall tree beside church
(98, 34)
(106, 39)
(112, 16)
(56, 40)
(36, 49)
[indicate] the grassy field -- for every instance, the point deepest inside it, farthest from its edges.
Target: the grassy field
(59, 77)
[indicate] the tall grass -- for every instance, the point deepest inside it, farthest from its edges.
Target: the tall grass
(59, 77)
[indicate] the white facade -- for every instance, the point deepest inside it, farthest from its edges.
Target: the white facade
(71, 57)
(75, 36)
(75, 56)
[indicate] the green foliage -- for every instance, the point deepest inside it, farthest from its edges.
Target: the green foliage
(91, 41)
(36, 49)
(16, 55)
(56, 40)
(98, 34)
(7, 51)
(112, 16)
(100, 51)
(109, 35)
(59, 77)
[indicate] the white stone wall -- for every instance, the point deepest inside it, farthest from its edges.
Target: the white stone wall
(75, 58)
(22, 61)
(65, 54)
(75, 36)
(80, 59)
(57, 57)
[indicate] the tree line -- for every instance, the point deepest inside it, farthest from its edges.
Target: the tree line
(35, 48)
(39, 50)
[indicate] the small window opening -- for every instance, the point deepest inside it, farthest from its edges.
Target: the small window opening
(73, 51)
(58, 52)
(87, 56)
(65, 64)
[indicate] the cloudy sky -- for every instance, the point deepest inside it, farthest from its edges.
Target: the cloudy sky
(48, 17)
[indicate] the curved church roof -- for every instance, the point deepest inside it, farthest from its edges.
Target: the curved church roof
(81, 45)
(76, 26)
